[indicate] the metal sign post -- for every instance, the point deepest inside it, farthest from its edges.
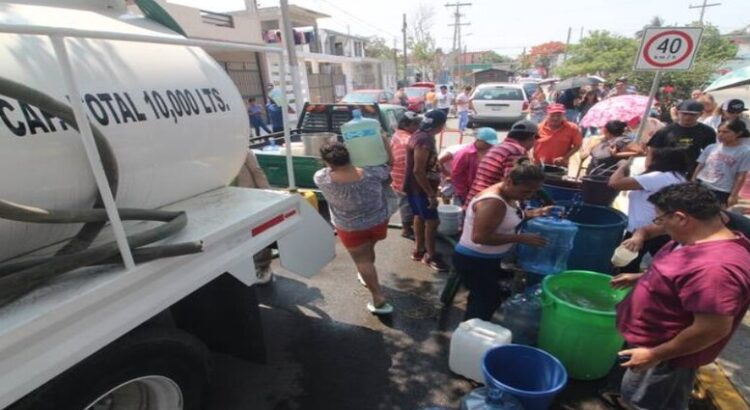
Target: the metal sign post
(665, 49)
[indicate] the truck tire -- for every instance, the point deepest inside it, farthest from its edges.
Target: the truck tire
(150, 368)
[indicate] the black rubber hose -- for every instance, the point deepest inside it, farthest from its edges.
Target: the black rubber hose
(19, 278)
(46, 103)
(19, 283)
(22, 213)
(141, 255)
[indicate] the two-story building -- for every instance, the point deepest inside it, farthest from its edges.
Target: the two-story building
(330, 63)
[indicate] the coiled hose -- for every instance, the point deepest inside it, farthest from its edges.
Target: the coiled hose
(20, 277)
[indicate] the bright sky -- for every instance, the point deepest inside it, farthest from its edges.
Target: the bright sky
(506, 26)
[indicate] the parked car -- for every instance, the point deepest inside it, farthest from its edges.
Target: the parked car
(499, 103)
(424, 84)
(530, 87)
(416, 98)
(368, 97)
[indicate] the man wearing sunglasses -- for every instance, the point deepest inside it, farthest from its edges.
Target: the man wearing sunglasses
(685, 307)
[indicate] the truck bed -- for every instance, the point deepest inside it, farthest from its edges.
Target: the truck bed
(77, 313)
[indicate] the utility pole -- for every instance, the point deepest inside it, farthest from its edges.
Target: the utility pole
(403, 31)
(395, 57)
(703, 8)
(567, 44)
(291, 51)
(457, 48)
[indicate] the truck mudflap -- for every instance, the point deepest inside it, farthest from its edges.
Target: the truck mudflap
(302, 253)
(305, 241)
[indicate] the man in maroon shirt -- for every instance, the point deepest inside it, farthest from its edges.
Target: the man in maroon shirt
(501, 158)
(684, 308)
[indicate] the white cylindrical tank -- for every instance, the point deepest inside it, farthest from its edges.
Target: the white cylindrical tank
(175, 121)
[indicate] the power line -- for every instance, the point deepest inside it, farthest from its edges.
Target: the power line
(703, 8)
(390, 33)
(457, 48)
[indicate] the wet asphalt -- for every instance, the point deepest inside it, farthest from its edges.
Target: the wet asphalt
(326, 351)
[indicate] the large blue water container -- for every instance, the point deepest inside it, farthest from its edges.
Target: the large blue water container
(552, 258)
(363, 140)
(600, 231)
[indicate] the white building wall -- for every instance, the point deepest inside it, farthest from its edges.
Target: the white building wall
(246, 27)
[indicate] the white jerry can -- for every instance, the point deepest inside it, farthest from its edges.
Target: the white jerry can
(470, 341)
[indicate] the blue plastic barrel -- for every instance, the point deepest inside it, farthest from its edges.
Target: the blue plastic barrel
(531, 375)
(600, 231)
(561, 192)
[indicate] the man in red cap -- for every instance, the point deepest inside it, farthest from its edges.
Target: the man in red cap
(558, 139)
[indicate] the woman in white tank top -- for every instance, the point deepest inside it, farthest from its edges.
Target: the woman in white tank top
(489, 234)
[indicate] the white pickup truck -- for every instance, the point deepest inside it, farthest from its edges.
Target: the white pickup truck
(160, 126)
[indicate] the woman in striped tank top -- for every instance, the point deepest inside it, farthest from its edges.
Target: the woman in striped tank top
(489, 235)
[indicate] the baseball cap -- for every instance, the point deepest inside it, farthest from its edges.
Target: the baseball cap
(622, 80)
(487, 135)
(432, 119)
(524, 127)
(733, 106)
(553, 108)
(691, 107)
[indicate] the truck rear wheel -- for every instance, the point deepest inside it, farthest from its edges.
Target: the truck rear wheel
(148, 369)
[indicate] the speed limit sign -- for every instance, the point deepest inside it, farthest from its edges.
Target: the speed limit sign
(668, 48)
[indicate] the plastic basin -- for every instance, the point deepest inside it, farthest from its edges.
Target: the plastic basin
(529, 374)
(578, 322)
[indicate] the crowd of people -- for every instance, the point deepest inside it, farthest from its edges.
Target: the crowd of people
(273, 112)
(683, 307)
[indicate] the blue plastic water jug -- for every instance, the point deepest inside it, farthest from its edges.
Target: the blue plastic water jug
(362, 139)
(522, 314)
(552, 258)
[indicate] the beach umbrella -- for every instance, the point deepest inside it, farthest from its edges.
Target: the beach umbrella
(623, 108)
(733, 78)
(575, 82)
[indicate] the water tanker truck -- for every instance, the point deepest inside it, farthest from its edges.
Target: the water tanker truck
(125, 257)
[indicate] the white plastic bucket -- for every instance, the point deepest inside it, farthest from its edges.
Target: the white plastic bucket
(451, 217)
(470, 341)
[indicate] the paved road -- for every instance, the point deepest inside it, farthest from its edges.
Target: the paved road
(325, 351)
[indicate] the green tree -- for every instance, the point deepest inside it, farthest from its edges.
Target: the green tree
(377, 47)
(612, 56)
(602, 53)
(421, 44)
(493, 57)
(656, 21)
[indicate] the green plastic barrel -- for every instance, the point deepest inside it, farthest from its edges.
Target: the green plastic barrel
(578, 322)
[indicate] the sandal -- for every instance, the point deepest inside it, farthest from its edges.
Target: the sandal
(384, 309)
(417, 255)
